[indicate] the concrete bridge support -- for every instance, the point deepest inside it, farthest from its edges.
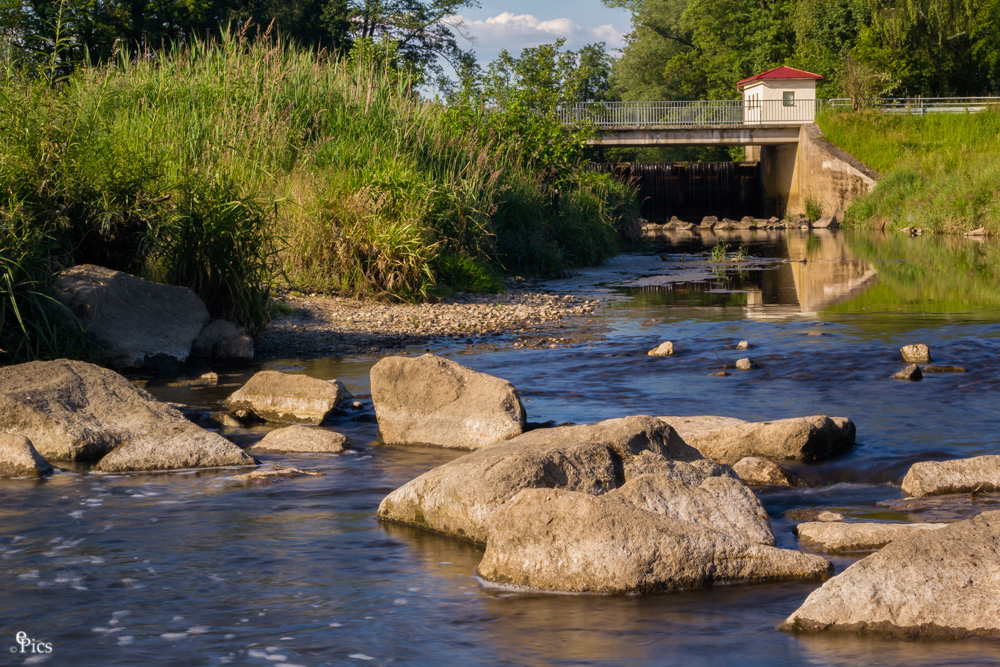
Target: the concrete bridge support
(810, 170)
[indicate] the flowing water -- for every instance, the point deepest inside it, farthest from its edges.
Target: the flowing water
(195, 568)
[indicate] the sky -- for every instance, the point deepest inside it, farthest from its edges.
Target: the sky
(516, 24)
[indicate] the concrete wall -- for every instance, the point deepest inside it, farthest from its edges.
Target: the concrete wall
(812, 169)
(828, 175)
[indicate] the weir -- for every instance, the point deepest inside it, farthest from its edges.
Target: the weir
(692, 190)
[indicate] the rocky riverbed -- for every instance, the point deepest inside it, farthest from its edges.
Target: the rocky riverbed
(331, 325)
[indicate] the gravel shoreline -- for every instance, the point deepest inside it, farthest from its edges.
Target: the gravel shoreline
(337, 326)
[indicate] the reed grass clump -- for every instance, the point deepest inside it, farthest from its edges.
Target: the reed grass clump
(234, 165)
(940, 171)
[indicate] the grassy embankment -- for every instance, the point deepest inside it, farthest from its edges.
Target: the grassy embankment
(226, 166)
(940, 172)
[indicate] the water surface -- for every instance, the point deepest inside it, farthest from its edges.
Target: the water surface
(196, 568)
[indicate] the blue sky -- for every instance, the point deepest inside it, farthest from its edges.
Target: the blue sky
(515, 24)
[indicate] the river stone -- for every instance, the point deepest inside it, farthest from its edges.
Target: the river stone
(272, 475)
(746, 222)
(915, 354)
(460, 497)
(940, 583)
(134, 322)
(434, 401)
(302, 439)
(288, 398)
(911, 373)
(743, 345)
(800, 438)
(758, 471)
(18, 458)
(222, 340)
(839, 537)
(72, 410)
(664, 349)
(945, 369)
(745, 364)
(978, 231)
(827, 222)
(570, 541)
(935, 478)
(708, 222)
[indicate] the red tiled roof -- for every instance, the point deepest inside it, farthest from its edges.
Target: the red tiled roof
(780, 73)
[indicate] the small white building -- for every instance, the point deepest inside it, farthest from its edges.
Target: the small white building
(779, 96)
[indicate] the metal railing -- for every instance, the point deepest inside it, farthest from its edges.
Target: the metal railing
(919, 105)
(730, 113)
(722, 113)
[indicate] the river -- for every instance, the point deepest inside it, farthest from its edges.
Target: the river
(195, 568)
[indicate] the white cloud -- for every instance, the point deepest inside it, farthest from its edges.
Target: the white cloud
(517, 31)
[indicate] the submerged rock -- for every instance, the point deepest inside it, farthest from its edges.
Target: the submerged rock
(940, 583)
(934, 478)
(664, 349)
(915, 354)
(434, 401)
(945, 369)
(757, 471)
(558, 540)
(911, 373)
(302, 439)
(839, 537)
(271, 475)
(18, 458)
(288, 398)
(135, 322)
(800, 438)
(72, 410)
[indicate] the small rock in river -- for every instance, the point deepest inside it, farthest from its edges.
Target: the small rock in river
(664, 349)
(275, 474)
(945, 369)
(915, 354)
(758, 471)
(720, 374)
(745, 364)
(18, 458)
(911, 372)
(302, 439)
(743, 345)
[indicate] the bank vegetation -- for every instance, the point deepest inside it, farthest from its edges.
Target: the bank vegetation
(233, 165)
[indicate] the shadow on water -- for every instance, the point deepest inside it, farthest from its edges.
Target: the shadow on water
(198, 568)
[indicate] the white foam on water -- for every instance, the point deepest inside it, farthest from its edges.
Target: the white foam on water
(360, 656)
(33, 574)
(125, 640)
(76, 514)
(120, 614)
(413, 589)
(229, 636)
(178, 618)
(174, 635)
(336, 625)
(198, 630)
(287, 664)
(106, 631)
(400, 601)
(37, 659)
(287, 639)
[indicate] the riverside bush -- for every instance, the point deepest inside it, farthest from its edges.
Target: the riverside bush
(230, 165)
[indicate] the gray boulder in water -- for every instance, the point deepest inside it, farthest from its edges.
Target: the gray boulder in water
(18, 458)
(72, 410)
(134, 322)
(939, 583)
(935, 478)
(430, 400)
(288, 398)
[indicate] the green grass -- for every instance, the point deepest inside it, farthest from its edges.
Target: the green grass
(940, 172)
(231, 166)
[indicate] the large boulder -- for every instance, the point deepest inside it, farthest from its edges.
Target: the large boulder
(223, 341)
(18, 458)
(840, 537)
(434, 401)
(300, 439)
(935, 478)
(558, 540)
(801, 438)
(288, 398)
(134, 322)
(72, 410)
(460, 497)
(938, 583)
(758, 471)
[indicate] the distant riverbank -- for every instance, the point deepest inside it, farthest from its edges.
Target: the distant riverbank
(939, 172)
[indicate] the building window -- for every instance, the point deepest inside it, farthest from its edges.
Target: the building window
(788, 98)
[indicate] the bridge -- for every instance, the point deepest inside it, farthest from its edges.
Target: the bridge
(745, 122)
